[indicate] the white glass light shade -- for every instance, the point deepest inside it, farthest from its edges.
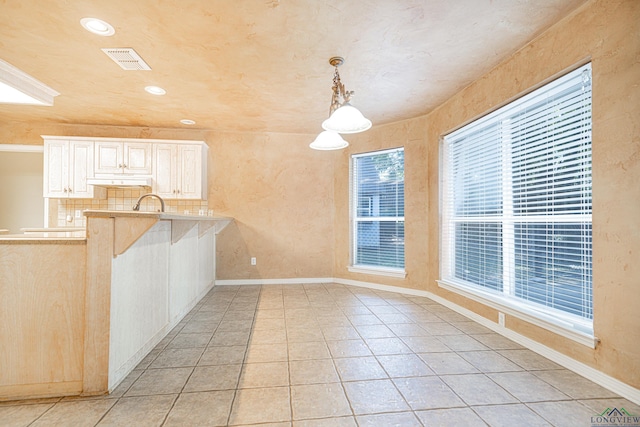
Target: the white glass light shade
(347, 119)
(328, 140)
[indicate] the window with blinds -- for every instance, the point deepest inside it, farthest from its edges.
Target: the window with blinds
(377, 209)
(516, 198)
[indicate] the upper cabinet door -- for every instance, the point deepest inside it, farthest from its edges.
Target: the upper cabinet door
(81, 167)
(137, 158)
(67, 165)
(108, 157)
(191, 171)
(180, 171)
(56, 169)
(129, 158)
(165, 171)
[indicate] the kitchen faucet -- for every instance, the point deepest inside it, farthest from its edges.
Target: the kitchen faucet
(136, 207)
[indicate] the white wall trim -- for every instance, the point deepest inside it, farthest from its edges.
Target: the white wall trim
(294, 281)
(110, 139)
(22, 148)
(598, 377)
(406, 291)
(560, 325)
(379, 271)
(40, 93)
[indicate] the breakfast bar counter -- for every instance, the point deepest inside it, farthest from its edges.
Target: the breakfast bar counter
(80, 311)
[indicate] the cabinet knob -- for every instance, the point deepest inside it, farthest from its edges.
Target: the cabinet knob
(125, 166)
(120, 165)
(178, 191)
(174, 191)
(69, 189)
(65, 189)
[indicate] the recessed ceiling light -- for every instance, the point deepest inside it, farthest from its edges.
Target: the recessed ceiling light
(187, 122)
(155, 90)
(97, 26)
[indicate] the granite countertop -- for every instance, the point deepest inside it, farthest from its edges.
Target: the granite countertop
(60, 237)
(71, 235)
(50, 229)
(183, 222)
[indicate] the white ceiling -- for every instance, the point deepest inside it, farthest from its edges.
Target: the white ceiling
(260, 65)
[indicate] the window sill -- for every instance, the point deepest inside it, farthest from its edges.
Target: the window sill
(563, 327)
(379, 271)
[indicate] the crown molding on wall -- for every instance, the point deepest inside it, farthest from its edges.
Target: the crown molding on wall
(22, 148)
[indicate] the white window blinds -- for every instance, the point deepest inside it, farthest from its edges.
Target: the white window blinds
(377, 209)
(516, 199)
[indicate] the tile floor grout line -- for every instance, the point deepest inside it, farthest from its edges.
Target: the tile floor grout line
(243, 363)
(540, 415)
(235, 392)
(342, 387)
(107, 411)
(42, 415)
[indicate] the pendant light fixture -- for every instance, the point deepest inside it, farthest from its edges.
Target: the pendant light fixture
(343, 117)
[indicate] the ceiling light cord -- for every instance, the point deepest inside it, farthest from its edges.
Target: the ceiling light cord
(338, 92)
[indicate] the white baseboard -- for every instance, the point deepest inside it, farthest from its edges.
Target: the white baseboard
(295, 281)
(598, 377)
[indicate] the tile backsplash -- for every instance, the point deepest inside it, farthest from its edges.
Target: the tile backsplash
(117, 200)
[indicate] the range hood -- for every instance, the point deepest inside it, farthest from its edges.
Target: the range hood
(120, 181)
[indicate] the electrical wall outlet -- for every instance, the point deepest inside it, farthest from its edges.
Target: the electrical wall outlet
(78, 213)
(501, 319)
(253, 260)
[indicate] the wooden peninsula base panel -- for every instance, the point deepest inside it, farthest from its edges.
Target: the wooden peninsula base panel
(79, 314)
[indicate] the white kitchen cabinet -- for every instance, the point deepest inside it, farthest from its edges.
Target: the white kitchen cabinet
(67, 164)
(180, 171)
(117, 158)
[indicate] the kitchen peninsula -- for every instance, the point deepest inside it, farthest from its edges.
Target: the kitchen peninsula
(78, 313)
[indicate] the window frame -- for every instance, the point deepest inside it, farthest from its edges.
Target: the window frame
(565, 324)
(354, 219)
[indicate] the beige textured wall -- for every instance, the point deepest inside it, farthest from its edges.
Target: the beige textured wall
(607, 32)
(280, 193)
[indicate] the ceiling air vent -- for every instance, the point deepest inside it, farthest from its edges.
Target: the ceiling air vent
(126, 58)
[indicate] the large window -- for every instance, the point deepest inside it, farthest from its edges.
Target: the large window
(377, 211)
(516, 199)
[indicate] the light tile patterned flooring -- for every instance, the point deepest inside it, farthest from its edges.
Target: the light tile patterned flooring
(330, 355)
